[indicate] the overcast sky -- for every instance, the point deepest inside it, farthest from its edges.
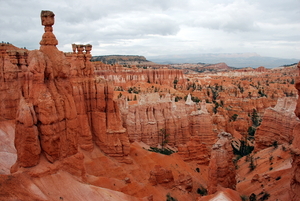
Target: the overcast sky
(159, 27)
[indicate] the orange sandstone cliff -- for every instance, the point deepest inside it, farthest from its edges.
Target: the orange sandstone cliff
(68, 129)
(59, 112)
(295, 181)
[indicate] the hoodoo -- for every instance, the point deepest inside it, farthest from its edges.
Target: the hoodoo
(61, 106)
(73, 129)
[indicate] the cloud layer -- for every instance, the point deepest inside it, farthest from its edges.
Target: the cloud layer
(159, 27)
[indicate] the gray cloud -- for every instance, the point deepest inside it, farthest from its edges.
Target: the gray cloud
(269, 27)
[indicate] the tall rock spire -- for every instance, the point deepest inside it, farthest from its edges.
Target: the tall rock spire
(47, 18)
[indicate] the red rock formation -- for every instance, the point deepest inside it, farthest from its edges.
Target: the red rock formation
(297, 85)
(161, 176)
(185, 126)
(145, 120)
(184, 183)
(57, 102)
(194, 150)
(27, 136)
(261, 69)
(295, 181)
(125, 77)
(8, 153)
(202, 125)
(277, 124)
(221, 168)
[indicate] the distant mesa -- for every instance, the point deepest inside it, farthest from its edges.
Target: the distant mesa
(128, 60)
(121, 59)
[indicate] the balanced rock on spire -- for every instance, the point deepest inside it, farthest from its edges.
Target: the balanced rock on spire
(47, 18)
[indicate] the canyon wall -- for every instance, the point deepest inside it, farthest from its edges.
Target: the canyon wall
(277, 124)
(125, 77)
(57, 102)
(295, 182)
(157, 120)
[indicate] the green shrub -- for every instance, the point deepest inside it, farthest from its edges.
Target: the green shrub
(244, 149)
(275, 144)
(164, 151)
(234, 117)
(265, 196)
(252, 166)
(202, 191)
(252, 197)
(170, 198)
(251, 130)
(244, 198)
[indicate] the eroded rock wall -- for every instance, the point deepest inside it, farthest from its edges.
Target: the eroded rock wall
(157, 120)
(58, 103)
(221, 168)
(277, 124)
(295, 182)
(125, 77)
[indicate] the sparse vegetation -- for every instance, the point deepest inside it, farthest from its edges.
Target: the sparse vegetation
(120, 95)
(255, 118)
(170, 198)
(235, 161)
(251, 130)
(244, 150)
(195, 99)
(164, 151)
(164, 137)
(275, 144)
(252, 166)
(264, 196)
(202, 191)
(271, 158)
(234, 117)
(283, 148)
(177, 98)
(252, 197)
(133, 90)
(244, 198)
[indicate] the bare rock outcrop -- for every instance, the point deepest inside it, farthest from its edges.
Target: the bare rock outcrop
(58, 103)
(221, 168)
(145, 121)
(295, 182)
(184, 183)
(125, 77)
(277, 125)
(161, 176)
(8, 152)
(155, 120)
(194, 150)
